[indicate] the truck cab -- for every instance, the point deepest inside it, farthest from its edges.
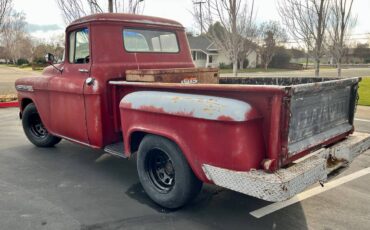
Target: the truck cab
(101, 48)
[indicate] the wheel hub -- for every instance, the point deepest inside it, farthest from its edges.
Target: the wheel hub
(36, 126)
(161, 170)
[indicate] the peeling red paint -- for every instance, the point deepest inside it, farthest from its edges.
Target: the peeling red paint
(184, 114)
(153, 109)
(252, 114)
(127, 105)
(269, 164)
(225, 118)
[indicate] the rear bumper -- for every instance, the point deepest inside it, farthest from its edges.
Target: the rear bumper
(287, 182)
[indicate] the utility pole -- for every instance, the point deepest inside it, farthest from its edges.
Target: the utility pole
(201, 15)
(110, 6)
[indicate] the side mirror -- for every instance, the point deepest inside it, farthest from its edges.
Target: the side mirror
(49, 58)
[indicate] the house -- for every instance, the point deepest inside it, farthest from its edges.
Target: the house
(205, 53)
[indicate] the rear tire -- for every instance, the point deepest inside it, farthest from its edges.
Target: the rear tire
(34, 129)
(165, 173)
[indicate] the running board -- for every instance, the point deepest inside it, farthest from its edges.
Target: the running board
(116, 149)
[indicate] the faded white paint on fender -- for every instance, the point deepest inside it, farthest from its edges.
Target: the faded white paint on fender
(189, 105)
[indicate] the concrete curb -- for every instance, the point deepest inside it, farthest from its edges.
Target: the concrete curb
(9, 104)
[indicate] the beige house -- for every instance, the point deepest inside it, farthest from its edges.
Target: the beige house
(206, 54)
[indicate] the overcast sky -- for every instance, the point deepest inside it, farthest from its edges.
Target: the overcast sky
(44, 12)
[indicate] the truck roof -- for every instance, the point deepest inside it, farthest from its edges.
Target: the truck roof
(120, 17)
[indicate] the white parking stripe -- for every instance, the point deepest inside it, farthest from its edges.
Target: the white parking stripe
(358, 119)
(309, 193)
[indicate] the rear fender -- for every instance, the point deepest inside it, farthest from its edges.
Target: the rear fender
(206, 128)
(190, 105)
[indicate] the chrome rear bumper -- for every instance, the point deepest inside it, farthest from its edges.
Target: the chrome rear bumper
(285, 183)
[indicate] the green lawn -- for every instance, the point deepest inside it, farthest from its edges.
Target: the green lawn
(26, 67)
(364, 91)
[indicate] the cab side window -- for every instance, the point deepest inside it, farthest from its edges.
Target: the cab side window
(79, 52)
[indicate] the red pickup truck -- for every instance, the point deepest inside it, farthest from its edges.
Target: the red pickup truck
(265, 137)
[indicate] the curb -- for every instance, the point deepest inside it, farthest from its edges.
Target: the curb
(9, 104)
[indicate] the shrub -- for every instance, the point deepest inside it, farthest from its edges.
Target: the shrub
(22, 61)
(225, 66)
(281, 58)
(39, 60)
(245, 64)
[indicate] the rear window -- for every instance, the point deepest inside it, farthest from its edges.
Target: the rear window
(139, 40)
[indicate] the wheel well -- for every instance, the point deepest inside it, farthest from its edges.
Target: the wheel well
(135, 140)
(137, 137)
(25, 102)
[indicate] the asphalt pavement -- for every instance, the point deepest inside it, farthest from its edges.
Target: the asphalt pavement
(74, 187)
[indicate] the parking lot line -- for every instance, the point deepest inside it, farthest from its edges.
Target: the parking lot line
(307, 194)
(364, 120)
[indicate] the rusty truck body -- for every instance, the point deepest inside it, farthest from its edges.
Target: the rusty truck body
(265, 137)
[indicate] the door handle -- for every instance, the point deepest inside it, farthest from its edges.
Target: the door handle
(90, 81)
(83, 70)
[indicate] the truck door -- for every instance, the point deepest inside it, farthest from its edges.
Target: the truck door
(67, 107)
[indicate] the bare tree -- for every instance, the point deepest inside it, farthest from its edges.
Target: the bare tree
(74, 9)
(14, 35)
(5, 8)
(306, 21)
(237, 20)
(340, 23)
(246, 49)
(272, 35)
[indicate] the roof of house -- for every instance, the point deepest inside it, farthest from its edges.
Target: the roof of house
(201, 43)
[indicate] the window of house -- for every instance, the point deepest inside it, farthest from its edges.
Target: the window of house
(140, 40)
(201, 56)
(194, 55)
(210, 59)
(79, 46)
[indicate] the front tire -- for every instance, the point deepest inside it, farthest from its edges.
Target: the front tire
(165, 173)
(34, 129)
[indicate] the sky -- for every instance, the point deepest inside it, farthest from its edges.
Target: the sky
(46, 12)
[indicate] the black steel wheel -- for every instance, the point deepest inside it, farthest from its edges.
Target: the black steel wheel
(160, 170)
(165, 173)
(35, 129)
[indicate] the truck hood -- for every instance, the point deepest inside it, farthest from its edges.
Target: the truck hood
(31, 83)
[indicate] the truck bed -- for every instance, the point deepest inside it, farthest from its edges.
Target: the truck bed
(319, 108)
(300, 115)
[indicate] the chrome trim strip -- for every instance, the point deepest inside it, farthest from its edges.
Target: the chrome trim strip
(27, 88)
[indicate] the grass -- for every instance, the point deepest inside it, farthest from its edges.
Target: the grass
(254, 70)
(364, 91)
(8, 97)
(26, 67)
